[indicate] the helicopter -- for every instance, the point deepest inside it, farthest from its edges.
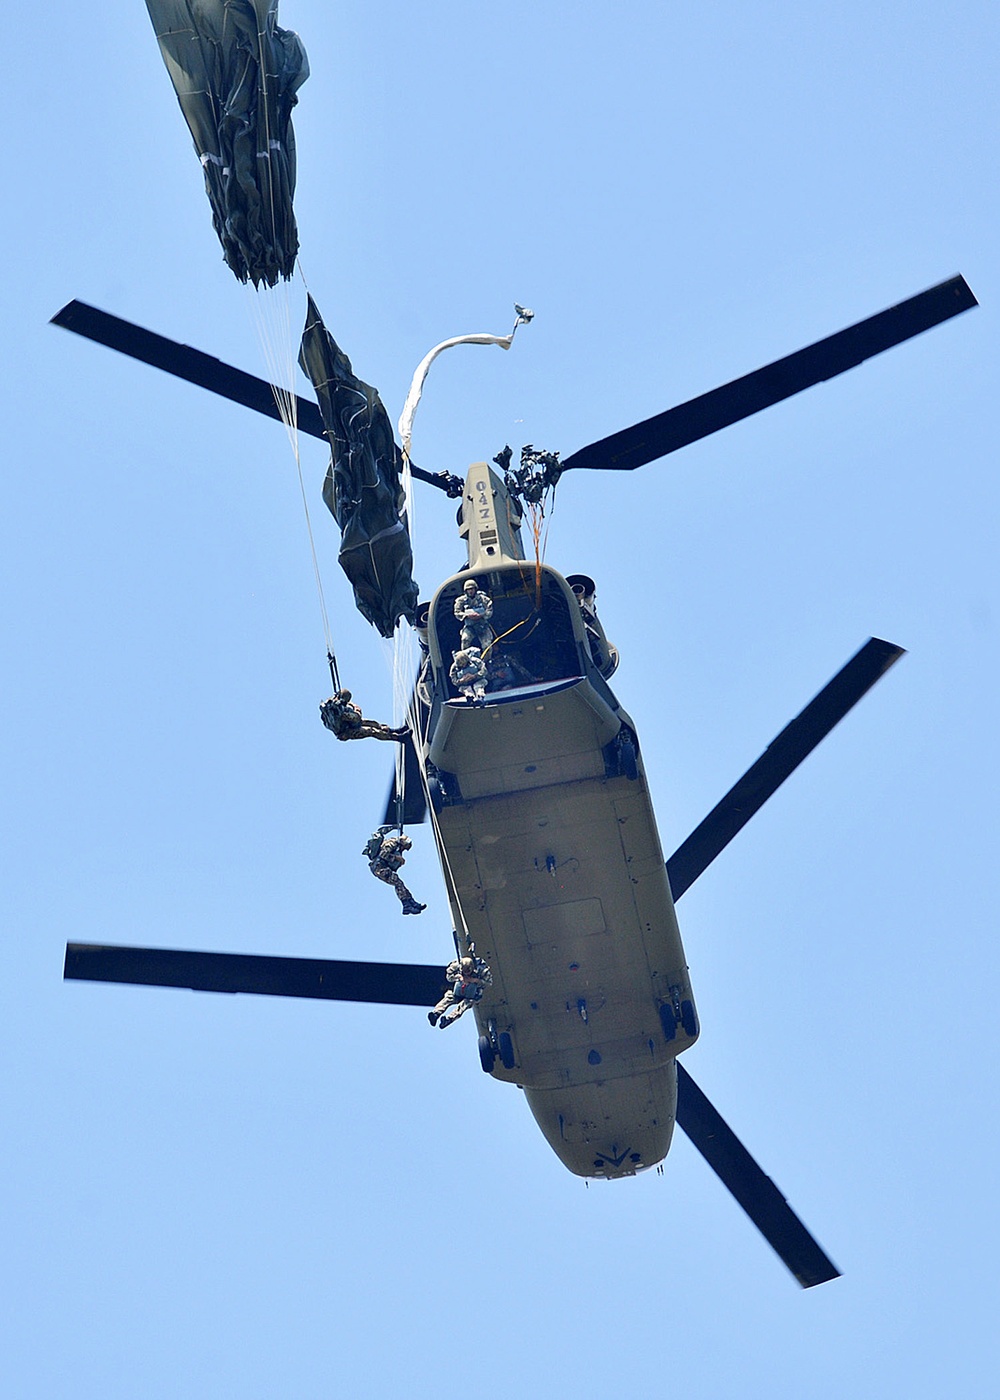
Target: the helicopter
(541, 810)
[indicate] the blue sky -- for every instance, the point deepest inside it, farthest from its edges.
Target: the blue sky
(209, 1196)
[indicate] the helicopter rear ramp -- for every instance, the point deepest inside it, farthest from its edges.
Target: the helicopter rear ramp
(557, 874)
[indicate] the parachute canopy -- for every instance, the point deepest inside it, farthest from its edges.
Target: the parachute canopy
(236, 74)
(362, 487)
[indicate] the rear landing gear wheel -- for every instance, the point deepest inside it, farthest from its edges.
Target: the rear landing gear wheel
(506, 1048)
(668, 1021)
(487, 1055)
(436, 795)
(627, 760)
(688, 1019)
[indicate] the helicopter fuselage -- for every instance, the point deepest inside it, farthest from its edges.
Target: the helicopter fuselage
(554, 870)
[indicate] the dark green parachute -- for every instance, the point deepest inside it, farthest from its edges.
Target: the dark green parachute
(362, 487)
(236, 74)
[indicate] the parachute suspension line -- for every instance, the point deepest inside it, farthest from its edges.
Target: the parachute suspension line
(537, 516)
(532, 485)
(400, 662)
(420, 738)
(324, 613)
(271, 314)
(399, 665)
(403, 645)
(448, 872)
(542, 541)
(331, 656)
(522, 623)
(280, 349)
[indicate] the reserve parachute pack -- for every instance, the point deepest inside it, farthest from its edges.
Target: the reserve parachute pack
(373, 845)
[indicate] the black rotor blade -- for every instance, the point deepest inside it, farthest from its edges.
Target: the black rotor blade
(752, 1188)
(666, 432)
(204, 370)
(414, 801)
(394, 984)
(780, 759)
(183, 362)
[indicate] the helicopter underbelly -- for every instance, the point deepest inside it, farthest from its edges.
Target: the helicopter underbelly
(609, 1128)
(561, 883)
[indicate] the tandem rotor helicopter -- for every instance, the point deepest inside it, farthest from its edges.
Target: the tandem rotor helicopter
(590, 1003)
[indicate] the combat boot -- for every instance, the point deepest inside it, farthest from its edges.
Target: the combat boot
(410, 906)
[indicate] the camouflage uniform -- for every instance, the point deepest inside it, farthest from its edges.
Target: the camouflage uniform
(505, 672)
(468, 977)
(385, 865)
(468, 674)
(473, 609)
(345, 720)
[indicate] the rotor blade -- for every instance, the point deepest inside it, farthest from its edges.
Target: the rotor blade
(754, 1190)
(414, 801)
(656, 437)
(183, 362)
(396, 984)
(204, 370)
(780, 759)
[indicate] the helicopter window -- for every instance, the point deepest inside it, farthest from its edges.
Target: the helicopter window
(532, 625)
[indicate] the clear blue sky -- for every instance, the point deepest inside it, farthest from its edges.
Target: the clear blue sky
(207, 1196)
